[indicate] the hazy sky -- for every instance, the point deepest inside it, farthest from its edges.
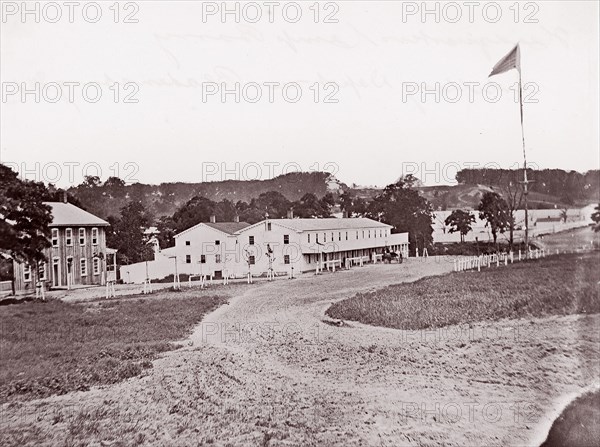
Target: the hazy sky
(375, 62)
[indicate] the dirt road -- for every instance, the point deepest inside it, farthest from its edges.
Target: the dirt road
(267, 370)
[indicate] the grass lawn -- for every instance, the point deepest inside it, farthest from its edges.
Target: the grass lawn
(556, 285)
(54, 347)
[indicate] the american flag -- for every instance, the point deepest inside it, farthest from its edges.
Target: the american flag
(508, 62)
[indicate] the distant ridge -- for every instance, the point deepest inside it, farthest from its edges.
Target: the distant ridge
(166, 198)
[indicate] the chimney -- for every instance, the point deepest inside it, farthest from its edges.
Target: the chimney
(213, 218)
(236, 218)
(65, 197)
(290, 213)
(345, 214)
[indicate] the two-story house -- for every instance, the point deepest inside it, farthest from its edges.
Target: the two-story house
(77, 256)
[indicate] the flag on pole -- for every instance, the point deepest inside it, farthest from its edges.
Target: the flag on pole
(508, 62)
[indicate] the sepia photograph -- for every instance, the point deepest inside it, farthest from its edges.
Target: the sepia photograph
(356, 223)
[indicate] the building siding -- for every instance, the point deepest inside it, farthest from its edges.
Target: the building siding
(62, 253)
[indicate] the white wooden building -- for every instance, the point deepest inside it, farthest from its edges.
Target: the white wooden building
(311, 244)
(233, 249)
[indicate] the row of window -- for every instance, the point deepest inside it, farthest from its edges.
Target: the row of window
(83, 269)
(368, 233)
(69, 236)
(251, 259)
(286, 240)
(286, 237)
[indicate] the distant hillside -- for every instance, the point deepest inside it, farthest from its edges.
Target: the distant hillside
(469, 196)
(549, 188)
(164, 199)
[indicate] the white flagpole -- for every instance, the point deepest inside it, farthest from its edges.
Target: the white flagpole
(525, 181)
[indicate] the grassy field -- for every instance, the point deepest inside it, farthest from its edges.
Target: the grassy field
(556, 285)
(54, 347)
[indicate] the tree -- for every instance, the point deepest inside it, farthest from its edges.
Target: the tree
(128, 234)
(166, 235)
(513, 196)
(494, 209)
(91, 181)
(596, 218)
(353, 205)
(197, 209)
(251, 215)
(406, 211)
(274, 203)
(460, 221)
(327, 202)
(24, 219)
(310, 206)
(224, 211)
(114, 182)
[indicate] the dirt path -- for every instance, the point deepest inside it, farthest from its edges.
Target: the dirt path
(266, 370)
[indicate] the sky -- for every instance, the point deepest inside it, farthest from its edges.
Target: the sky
(160, 91)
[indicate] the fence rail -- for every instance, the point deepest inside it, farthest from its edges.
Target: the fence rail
(5, 286)
(496, 259)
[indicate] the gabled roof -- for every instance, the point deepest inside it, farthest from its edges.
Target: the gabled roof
(323, 224)
(224, 227)
(67, 214)
(228, 227)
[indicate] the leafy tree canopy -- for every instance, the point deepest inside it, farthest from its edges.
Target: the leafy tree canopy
(460, 221)
(494, 209)
(402, 207)
(24, 219)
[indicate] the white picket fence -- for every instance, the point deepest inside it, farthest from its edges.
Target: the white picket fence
(495, 259)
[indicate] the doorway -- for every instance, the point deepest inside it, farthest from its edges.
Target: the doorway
(56, 272)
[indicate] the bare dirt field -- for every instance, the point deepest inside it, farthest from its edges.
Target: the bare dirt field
(268, 369)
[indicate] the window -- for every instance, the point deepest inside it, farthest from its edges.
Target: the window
(286, 238)
(251, 240)
(346, 235)
(69, 237)
(96, 266)
(188, 259)
(369, 234)
(187, 243)
(268, 226)
(218, 259)
(340, 236)
(357, 235)
(324, 237)
(42, 271)
(83, 267)
(286, 259)
(26, 273)
(251, 260)
(217, 242)
(202, 259)
(317, 236)
(363, 234)
(55, 237)
(308, 237)
(82, 236)
(94, 236)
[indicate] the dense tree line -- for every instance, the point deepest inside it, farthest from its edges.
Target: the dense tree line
(399, 205)
(102, 198)
(568, 186)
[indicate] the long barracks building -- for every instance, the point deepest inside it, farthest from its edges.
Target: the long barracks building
(234, 249)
